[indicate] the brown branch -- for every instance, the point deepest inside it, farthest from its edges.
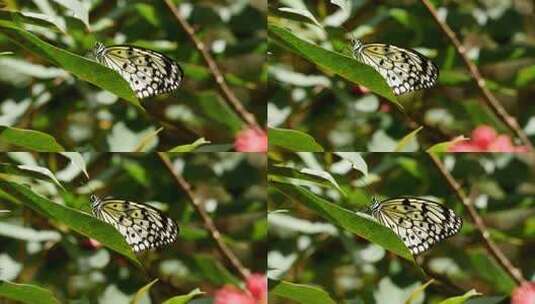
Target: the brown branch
(227, 93)
(490, 100)
(208, 223)
(480, 225)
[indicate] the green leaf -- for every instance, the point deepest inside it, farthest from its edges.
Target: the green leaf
(302, 12)
(185, 298)
(445, 146)
(78, 10)
(487, 300)
(356, 160)
(29, 139)
(31, 18)
(26, 293)
(212, 106)
(190, 147)
(461, 299)
(34, 171)
(403, 144)
(453, 78)
(79, 66)
(306, 175)
(293, 140)
(525, 76)
(418, 293)
(77, 160)
(360, 225)
(200, 73)
(142, 291)
(488, 270)
(82, 223)
(300, 293)
(212, 269)
(344, 66)
(149, 140)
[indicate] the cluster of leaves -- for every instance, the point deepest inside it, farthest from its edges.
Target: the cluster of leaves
(318, 89)
(323, 244)
(49, 239)
(53, 97)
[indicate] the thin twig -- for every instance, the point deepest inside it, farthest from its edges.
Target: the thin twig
(208, 223)
(480, 225)
(227, 93)
(490, 100)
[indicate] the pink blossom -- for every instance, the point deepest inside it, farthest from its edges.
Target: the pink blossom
(463, 146)
(232, 295)
(256, 292)
(251, 140)
(524, 294)
(483, 136)
(384, 108)
(486, 139)
(257, 286)
(502, 144)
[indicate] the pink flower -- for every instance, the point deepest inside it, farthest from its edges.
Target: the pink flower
(257, 285)
(251, 140)
(486, 139)
(524, 294)
(256, 292)
(483, 136)
(463, 146)
(384, 108)
(502, 144)
(232, 295)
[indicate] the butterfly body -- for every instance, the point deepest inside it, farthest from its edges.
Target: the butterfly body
(404, 70)
(148, 72)
(418, 222)
(144, 227)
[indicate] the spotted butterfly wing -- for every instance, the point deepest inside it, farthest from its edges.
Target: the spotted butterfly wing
(144, 227)
(418, 222)
(148, 73)
(404, 70)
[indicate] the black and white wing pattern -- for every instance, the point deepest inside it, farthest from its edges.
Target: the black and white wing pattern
(144, 227)
(404, 70)
(418, 222)
(148, 72)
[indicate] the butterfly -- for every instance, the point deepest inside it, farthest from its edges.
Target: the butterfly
(418, 222)
(148, 73)
(404, 70)
(144, 227)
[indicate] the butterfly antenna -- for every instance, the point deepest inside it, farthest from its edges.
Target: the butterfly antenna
(92, 196)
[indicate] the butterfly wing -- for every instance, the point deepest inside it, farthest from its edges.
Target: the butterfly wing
(148, 73)
(404, 70)
(143, 226)
(419, 223)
